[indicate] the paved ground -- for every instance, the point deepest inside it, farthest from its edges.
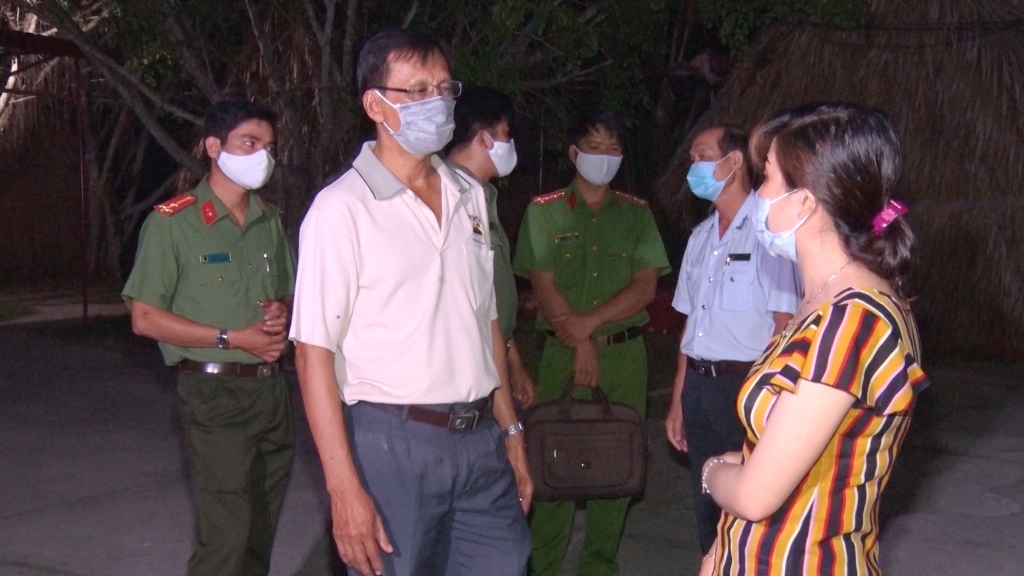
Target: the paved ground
(92, 479)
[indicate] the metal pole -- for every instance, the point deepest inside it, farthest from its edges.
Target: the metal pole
(84, 267)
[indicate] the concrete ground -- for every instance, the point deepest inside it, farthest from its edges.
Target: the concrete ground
(93, 481)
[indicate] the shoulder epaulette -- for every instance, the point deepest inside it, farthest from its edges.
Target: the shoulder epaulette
(631, 198)
(550, 197)
(176, 204)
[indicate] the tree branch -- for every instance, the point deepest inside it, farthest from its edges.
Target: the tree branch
(115, 76)
(201, 74)
(566, 78)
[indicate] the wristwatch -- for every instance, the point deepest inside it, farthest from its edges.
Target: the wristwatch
(512, 430)
(222, 339)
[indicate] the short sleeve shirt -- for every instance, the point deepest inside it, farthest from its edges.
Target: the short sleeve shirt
(866, 344)
(199, 264)
(504, 278)
(593, 254)
(404, 304)
(729, 288)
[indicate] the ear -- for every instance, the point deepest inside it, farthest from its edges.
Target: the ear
(212, 146)
(483, 139)
(371, 105)
(807, 202)
(572, 154)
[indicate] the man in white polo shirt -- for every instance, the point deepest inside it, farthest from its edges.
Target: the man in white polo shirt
(399, 353)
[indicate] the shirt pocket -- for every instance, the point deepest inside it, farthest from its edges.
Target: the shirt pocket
(617, 266)
(479, 273)
(738, 287)
(219, 281)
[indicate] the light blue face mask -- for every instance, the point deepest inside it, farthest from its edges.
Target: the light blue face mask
(702, 181)
(776, 243)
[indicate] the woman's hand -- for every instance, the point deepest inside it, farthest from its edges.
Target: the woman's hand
(707, 564)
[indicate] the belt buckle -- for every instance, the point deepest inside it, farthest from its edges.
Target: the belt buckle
(264, 371)
(465, 421)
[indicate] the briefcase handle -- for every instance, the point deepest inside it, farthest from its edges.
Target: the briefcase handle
(596, 393)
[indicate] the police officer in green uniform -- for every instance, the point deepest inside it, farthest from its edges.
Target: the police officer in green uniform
(212, 283)
(483, 148)
(593, 257)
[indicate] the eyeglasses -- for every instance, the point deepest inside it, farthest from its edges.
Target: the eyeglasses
(417, 92)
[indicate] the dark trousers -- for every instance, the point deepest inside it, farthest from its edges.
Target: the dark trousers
(712, 426)
(240, 440)
(448, 499)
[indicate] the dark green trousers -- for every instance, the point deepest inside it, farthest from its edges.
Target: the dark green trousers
(623, 377)
(240, 440)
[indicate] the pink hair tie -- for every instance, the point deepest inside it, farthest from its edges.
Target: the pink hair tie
(893, 210)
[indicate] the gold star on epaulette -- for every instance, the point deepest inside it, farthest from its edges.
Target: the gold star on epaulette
(176, 204)
(550, 197)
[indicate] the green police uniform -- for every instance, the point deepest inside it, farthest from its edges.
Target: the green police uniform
(504, 278)
(593, 254)
(195, 261)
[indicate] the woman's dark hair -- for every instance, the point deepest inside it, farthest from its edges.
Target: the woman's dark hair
(404, 44)
(848, 157)
(225, 115)
(592, 118)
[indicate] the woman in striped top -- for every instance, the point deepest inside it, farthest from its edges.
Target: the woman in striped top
(828, 404)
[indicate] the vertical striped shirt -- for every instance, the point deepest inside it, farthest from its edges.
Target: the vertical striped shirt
(865, 343)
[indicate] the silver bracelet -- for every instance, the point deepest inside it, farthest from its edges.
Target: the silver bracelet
(704, 473)
(512, 430)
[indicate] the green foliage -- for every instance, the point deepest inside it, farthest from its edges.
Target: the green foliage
(737, 21)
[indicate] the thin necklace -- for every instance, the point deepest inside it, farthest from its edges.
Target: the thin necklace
(830, 278)
(795, 320)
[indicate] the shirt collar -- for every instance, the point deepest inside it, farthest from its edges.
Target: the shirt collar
(383, 184)
(490, 192)
(205, 194)
(574, 198)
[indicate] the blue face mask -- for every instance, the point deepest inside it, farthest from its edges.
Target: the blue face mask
(776, 243)
(702, 181)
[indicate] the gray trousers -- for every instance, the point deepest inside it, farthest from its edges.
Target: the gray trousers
(448, 499)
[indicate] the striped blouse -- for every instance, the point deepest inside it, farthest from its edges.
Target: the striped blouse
(866, 343)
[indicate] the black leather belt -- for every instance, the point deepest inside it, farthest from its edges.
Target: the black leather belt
(612, 339)
(716, 368)
(468, 417)
(230, 368)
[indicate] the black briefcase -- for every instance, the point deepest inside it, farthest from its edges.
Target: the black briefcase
(585, 449)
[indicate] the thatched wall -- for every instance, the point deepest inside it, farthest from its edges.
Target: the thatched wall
(951, 75)
(40, 214)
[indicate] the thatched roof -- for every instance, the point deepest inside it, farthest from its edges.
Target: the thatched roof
(950, 75)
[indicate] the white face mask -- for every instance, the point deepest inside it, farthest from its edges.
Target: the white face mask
(427, 125)
(250, 171)
(597, 169)
(776, 243)
(503, 154)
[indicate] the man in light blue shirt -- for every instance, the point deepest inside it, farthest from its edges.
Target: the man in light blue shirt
(735, 296)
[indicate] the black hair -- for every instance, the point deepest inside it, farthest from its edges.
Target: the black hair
(592, 118)
(478, 108)
(401, 43)
(735, 138)
(225, 115)
(848, 157)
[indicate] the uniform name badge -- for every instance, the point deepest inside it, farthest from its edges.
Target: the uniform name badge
(567, 237)
(215, 258)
